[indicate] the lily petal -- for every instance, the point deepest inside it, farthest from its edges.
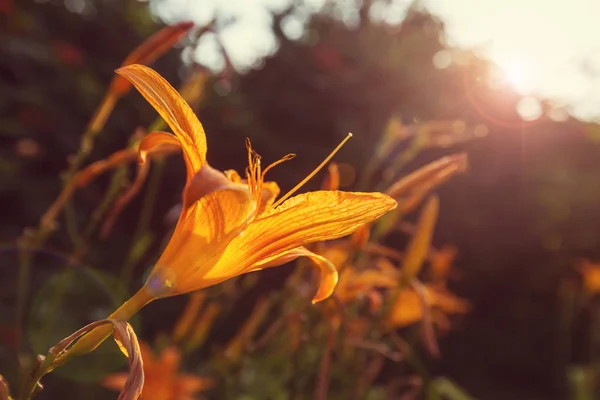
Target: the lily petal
(174, 110)
(303, 219)
(329, 274)
(156, 142)
(204, 230)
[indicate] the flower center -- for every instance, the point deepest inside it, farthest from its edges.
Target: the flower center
(255, 175)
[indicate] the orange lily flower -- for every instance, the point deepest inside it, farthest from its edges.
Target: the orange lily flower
(408, 307)
(161, 378)
(227, 226)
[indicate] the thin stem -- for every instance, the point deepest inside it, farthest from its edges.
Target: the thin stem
(325, 369)
(144, 221)
(94, 338)
(95, 126)
(36, 237)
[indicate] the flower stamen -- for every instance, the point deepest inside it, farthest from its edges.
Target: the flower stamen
(314, 172)
(285, 158)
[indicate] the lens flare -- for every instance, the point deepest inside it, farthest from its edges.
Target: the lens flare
(519, 74)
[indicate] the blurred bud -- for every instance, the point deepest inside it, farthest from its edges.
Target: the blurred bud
(27, 148)
(393, 133)
(151, 49)
(236, 346)
(203, 326)
(361, 236)
(590, 273)
(375, 302)
(4, 392)
(332, 179)
(419, 246)
(85, 176)
(193, 89)
(189, 315)
(429, 176)
(410, 190)
(67, 52)
(294, 327)
(441, 262)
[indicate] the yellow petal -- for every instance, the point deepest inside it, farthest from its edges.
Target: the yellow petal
(418, 248)
(204, 230)
(174, 110)
(306, 218)
(329, 275)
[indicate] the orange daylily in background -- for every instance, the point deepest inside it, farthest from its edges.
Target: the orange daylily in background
(408, 307)
(441, 262)
(161, 378)
(354, 284)
(229, 226)
(590, 272)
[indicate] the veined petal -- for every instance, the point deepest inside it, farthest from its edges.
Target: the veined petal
(155, 142)
(174, 110)
(329, 274)
(205, 181)
(303, 219)
(204, 230)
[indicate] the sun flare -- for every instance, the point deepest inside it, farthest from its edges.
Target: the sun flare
(519, 74)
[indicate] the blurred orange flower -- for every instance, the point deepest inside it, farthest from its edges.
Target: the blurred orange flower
(162, 381)
(409, 307)
(590, 272)
(441, 262)
(355, 284)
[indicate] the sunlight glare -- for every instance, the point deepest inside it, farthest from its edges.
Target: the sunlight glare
(519, 74)
(540, 46)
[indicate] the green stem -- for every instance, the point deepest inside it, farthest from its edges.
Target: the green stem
(93, 339)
